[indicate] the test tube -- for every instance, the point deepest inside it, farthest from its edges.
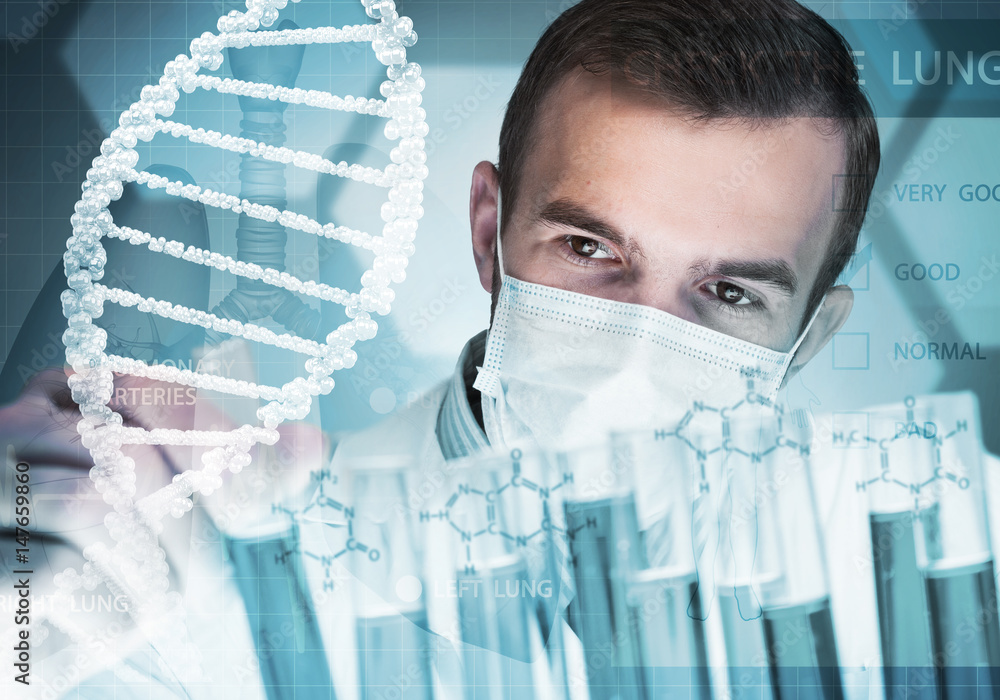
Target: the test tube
(953, 548)
(777, 560)
(664, 600)
(498, 542)
(602, 527)
(900, 444)
(744, 568)
(391, 616)
(272, 583)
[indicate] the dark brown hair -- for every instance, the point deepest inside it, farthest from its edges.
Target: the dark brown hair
(752, 61)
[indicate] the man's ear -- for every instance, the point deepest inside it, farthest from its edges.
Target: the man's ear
(483, 217)
(836, 308)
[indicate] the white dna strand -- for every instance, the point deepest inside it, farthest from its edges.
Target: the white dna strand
(134, 567)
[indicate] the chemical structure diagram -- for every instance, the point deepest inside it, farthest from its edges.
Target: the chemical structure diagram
(324, 480)
(700, 420)
(911, 428)
(493, 525)
(727, 444)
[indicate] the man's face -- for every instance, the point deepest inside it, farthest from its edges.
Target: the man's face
(720, 223)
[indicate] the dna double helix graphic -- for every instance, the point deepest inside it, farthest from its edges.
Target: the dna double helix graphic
(134, 567)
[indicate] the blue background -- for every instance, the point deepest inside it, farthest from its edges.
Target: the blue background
(70, 68)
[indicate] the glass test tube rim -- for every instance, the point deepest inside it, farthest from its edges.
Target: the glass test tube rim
(923, 402)
(479, 465)
(375, 464)
(279, 528)
(497, 460)
(659, 574)
(744, 583)
(372, 467)
(488, 568)
(384, 610)
(956, 565)
(567, 461)
(617, 499)
(810, 604)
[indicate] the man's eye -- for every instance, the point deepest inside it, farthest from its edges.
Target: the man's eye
(731, 294)
(589, 248)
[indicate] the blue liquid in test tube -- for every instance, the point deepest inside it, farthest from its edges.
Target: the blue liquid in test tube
(394, 657)
(599, 611)
(495, 611)
(270, 579)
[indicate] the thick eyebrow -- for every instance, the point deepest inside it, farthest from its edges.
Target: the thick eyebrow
(565, 212)
(775, 273)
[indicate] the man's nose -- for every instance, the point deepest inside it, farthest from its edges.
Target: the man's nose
(666, 294)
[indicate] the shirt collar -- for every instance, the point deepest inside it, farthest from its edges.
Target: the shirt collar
(458, 431)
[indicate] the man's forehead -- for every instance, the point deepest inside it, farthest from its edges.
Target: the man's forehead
(591, 128)
(595, 108)
(633, 157)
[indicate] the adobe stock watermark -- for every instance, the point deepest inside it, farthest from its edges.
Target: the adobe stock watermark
(92, 652)
(270, 641)
(462, 110)
(89, 144)
(918, 164)
(52, 354)
(748, 166)
(33, 23)
(431, 485)
(250, 502)
(413, 676)
(552, 15)
(375, 371)
(957, 297)
(902, 12)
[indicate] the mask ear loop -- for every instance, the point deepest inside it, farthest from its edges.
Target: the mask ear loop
(488, 379)
(805, 332)
(499, 247)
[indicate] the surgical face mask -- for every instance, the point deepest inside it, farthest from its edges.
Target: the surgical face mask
(562, 369)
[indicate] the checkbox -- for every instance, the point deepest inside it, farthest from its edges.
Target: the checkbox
(850, 430)
(850, 351)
